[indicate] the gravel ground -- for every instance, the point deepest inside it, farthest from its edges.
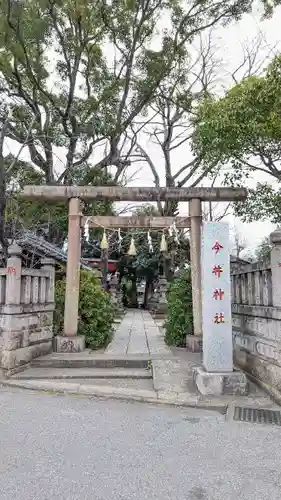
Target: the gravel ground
(75, 448)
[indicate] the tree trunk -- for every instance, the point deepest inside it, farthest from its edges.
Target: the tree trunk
(3, 197)
(3, 200)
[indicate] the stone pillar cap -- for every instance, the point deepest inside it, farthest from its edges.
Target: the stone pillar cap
(14, 249)
(275, 236)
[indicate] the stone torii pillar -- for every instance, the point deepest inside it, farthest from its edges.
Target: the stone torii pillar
(69, 341)
(194, 342)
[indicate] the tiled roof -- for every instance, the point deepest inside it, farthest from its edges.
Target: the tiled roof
(42, 248)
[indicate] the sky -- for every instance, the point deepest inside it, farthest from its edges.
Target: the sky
(234, 36)
(242, 33)
(228, 43)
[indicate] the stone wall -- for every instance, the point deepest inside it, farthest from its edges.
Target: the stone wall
(26, 311)
(256, 317)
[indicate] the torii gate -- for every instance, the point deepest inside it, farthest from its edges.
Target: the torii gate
(145, 194)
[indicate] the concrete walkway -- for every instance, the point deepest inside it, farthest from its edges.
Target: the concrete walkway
(138, 334)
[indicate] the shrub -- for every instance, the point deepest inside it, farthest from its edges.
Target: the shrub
(96, 312)
(180, 319)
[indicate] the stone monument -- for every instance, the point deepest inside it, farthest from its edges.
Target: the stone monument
(153, 298)
(161, 304)
(116, 294)
(217, 375)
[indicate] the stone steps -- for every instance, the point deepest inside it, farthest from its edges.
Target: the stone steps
(98, 362)
(101, 361)
(41, 373)
(126, 363)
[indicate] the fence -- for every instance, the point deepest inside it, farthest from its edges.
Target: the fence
(26, 311)
(256, 317)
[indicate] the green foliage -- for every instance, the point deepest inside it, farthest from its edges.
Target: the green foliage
(242, 122)
(263, 251)
(244, 129)
(67, 92)
(263, 203)
(269, 6)
(180, 318)
(96, 312)
(146, 264)
(51, 217)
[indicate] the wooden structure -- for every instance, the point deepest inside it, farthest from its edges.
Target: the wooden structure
(96, 263)
(115, 193)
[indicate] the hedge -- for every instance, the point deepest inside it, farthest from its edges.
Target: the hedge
(180, 318)
(96, 312)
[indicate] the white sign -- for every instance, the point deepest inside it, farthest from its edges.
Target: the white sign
(216, 298)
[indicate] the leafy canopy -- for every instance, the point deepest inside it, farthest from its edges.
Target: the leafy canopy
(49, 218)
(264, 249)
(245, 122)
(77, 73)
(244, 129)
(147, 264)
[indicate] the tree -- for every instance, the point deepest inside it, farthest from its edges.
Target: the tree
(80, 72)
(263, 203)
(149, 264)
(3, 199)
(269, 6)
(239, 243)
(263, 250)
(244, 129)
(49, 219)
(146, 264)
(11, 172)
(171, 118)
(170, 122)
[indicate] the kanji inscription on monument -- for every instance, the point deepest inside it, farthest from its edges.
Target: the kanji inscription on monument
(216, 298)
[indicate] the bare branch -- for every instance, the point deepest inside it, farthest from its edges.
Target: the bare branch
(255, 55)
(26, 141)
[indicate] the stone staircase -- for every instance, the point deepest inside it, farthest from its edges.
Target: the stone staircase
(88, 367)
(126, 363)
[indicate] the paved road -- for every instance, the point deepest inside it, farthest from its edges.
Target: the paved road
(67, 448)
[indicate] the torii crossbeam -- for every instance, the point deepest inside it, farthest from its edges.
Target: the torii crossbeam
(134, 222)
